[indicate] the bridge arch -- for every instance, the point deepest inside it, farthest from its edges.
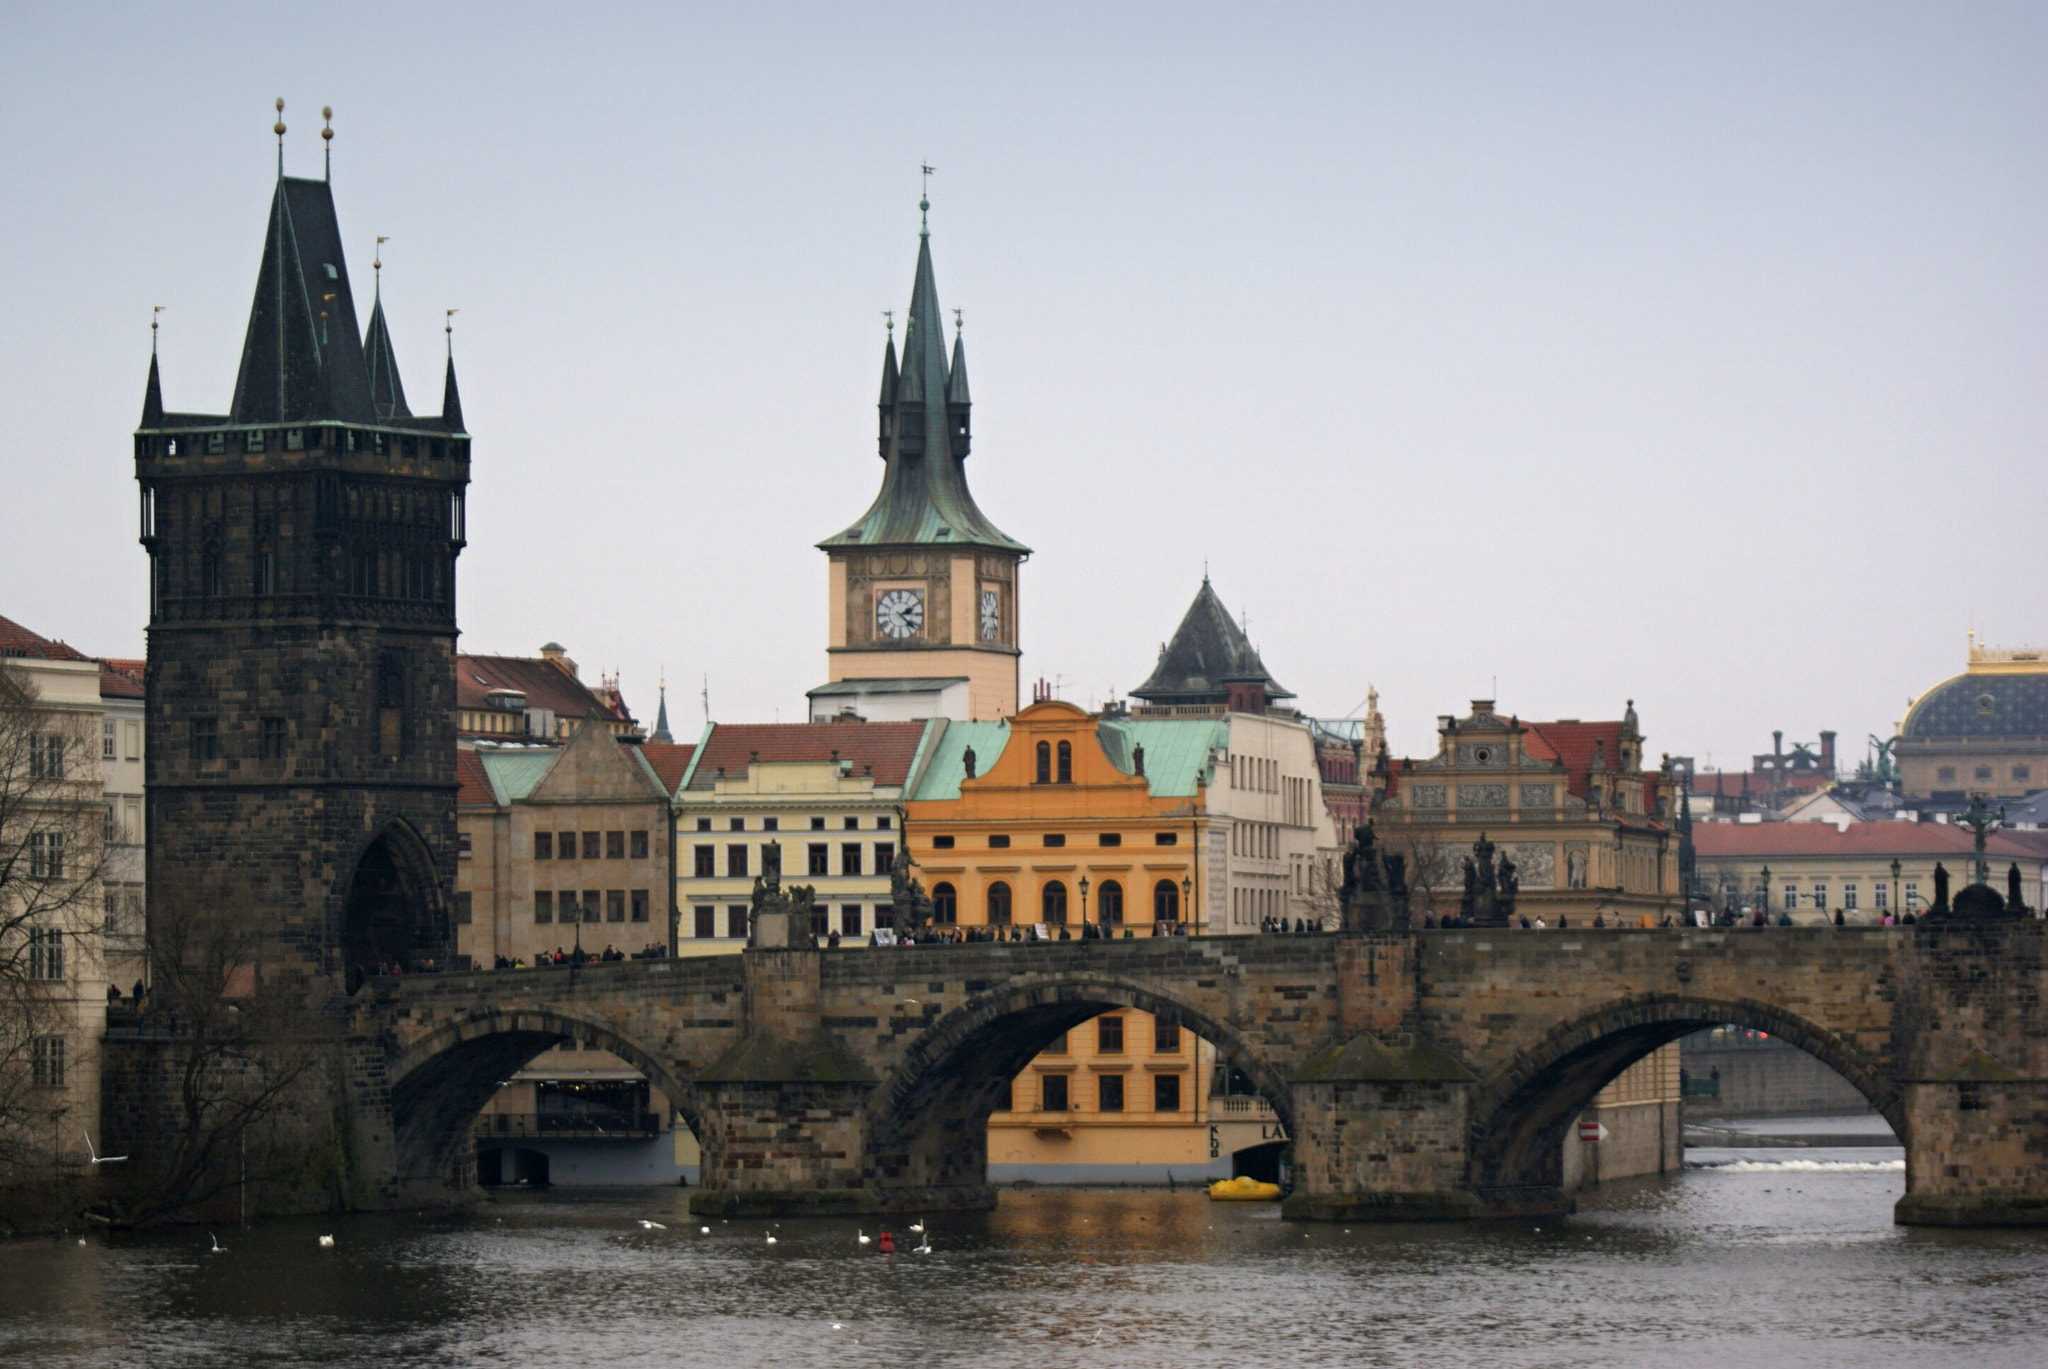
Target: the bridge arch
(1518, 1118)
(441, 1081)
(929, 1119)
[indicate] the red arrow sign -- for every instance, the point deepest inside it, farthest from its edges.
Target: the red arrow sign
(1591, 1131)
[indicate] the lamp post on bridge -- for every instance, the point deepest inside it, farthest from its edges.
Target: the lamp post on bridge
(1898, 909)
(1084, 907)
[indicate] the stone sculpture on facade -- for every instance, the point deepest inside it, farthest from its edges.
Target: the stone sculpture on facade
(779, 919)
(1374, 896)
(1490, 889)
(913, 906)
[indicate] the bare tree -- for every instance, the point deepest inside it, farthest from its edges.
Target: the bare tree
(1432, 870)
(1324, 893)
(52, 846)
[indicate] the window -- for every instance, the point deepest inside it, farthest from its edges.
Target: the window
(1052, 1093)
(1109, 1035)
(252, 441)
(2019, 772)
(1166, 838)
(270, 739)
(567, 908)
(463, 908)
(704, 861)
(885, 857)
(46, 856)
(1045, 762)
(565, 846)
(999, 842)
(1165, 1038)
(1109, 903)
(638, 844)
(465, 845)
(703, 824)
(639, 905)
(47, 1055)
(1791, 897)
(1166, 1093)
(1165, 901)
(45, 953)
(543, 845)
(942, 843)
(1983, 772)
(107, 728)
(1058, 1046)
(1820, 897)
(590, 845)
(1052, 903)
(849, 919)
(771, 824)
(614, 845)
(818, 858)
(391, 705)
(737, 824)
(615, 905)
(735, 861)
(1880, 894)
(1848, 898)
(1109, 1093)
(266, 570)
(1110, 839)
(704, 921)
(1066, 762)
(999, 904)
(945, 905)
(849, 858)
(1055, 839)
(543, 905)
(1912, 895)
(882, 824)
(205, 735)
(817, 824)
(851, 824)
(1946, 773)
(736, 920)
(593, 906)
(111, 920)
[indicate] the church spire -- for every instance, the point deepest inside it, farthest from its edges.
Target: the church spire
(387, 393)
(661, 732)
(152, 395)
(956, 378)
(925, 433)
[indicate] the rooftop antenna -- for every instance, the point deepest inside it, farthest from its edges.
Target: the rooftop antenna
(154, 310)
(278, 129)
(924, 201)
(327, 143)
(707, 699)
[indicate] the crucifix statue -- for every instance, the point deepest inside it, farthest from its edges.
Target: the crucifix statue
(1983, 822)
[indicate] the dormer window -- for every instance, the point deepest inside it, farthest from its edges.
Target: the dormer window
(252, 441)
(295, 439)
(216, 443)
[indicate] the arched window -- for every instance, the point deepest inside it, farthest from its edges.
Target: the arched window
(1066, 762)
(1052, 903)
(1045, 763)
(945, 905)
(1109, 907)
(999, 904)
(1166, 901)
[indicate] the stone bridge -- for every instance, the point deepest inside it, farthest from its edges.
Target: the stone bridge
(1421, 1075)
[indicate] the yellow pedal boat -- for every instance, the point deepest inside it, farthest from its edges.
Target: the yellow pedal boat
(1243, 1190)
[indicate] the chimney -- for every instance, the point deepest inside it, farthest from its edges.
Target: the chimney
(1777, 743)
(1827, 752)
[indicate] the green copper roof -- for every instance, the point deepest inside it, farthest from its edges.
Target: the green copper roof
(1176, 751)
(515, 774)
(944, 771)
(924, 500)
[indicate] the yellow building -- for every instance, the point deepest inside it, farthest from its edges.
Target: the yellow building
(923, 599)
(1057, 825)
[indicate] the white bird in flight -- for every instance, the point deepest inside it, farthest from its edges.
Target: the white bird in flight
(327, 1242)
(95, 1156)
(651, 1226)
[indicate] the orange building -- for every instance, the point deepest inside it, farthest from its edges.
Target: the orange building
(1048, 822)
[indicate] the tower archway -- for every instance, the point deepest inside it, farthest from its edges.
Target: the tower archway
(393, 912)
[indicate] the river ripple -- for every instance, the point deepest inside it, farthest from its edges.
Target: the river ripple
(1747, 1258)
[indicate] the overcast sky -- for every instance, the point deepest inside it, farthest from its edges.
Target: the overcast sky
(1694, 354)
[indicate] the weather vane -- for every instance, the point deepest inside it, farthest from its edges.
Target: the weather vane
(449, 328)
(888, 321)
(154, 310)
(924, 201)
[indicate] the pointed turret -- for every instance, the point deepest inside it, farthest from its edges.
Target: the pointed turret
(152, 397)
(661, 732)
(956, 380)
(300, 360)
(887, 404)
(387, 393)
(924, 437)
(451, 401)
(1210, 661)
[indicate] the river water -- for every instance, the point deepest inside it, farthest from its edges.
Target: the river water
(1749, 1257)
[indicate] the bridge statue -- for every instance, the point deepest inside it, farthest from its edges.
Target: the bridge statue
(1374, 896)
(913, 907)
(778, 918)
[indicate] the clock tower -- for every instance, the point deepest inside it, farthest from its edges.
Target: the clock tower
(923, 587)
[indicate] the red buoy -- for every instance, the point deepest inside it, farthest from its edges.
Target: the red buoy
(886, 1243)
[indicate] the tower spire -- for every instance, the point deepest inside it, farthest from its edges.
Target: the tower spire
(387, 392)
(152, 390)
(278, 129)
(451, 401)
(327, 143)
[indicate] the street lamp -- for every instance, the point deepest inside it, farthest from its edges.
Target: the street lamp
(1187, 899)
(1763, 901)
(1084, 905)
(1898, 911)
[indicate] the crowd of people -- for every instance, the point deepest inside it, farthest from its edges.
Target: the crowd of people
(1013, 932)
(653, 950)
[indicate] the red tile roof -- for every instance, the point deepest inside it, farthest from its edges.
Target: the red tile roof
(888, 747)
(670, 760)
(121, 679)
(476, 786)
(1573, 744)
(1739, 840)
(545, 684)
(16, 640)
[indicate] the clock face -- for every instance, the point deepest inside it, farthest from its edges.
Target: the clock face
(900, 613)
(991, 615)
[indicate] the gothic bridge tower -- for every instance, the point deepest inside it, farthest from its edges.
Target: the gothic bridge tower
(302, 546)
(923, 607)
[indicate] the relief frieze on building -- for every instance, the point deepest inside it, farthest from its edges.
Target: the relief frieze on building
(1421, 796)
(1538, 796)
(1535, 862)
(1474, 755)
(1482, 796)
